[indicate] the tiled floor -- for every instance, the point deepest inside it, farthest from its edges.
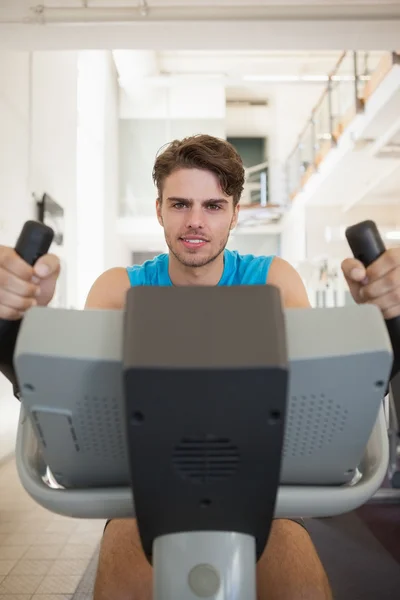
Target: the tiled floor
(42, 555)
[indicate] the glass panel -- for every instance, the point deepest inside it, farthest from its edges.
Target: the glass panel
(293, 171)
(322, 122)
(307, 148)
(343, 92)
(367, 63)
(335, 110)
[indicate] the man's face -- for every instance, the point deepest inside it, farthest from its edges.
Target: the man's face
(196, 215)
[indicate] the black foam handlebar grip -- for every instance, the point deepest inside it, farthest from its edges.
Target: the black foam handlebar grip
(367, 246)
(365, 242)
(33, 242)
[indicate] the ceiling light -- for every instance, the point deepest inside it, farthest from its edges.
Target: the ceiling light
(286, 78)
(264, 78)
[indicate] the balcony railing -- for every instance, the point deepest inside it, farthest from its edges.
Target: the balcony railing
(348, 87)
(255, 191)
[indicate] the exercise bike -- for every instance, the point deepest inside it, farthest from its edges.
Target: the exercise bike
(204, 413)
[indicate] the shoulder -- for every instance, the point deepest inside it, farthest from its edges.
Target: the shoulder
(250, 268)
(284, 276)
(109, 289)
(247, 260)
(147, 273)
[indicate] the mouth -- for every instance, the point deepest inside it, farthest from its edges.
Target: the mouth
(193, 242)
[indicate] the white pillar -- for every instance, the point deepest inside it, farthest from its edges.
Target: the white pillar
(53, 151)
(98, 245)
(90, 189)
(293, 237)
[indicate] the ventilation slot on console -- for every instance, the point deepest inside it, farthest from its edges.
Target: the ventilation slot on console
(205, 459)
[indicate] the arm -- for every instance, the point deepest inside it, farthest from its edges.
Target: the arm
(286, 278)
(379, 284)
(109, 290)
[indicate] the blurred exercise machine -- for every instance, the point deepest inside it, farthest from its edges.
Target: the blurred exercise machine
(202, 425)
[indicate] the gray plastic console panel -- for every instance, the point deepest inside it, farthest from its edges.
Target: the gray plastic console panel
(69, 366)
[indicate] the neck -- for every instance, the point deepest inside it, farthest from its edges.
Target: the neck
(182, 275)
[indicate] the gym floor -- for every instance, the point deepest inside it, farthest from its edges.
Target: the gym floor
(42, 555)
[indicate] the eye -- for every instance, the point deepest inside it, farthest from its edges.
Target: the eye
(214, 206)
(178, 205)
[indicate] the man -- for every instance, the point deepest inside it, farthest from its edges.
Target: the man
(199, 182)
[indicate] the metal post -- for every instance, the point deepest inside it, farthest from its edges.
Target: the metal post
(313, 141)
(358, 101)
(217, 565)
(263, 188)
(330, 110)
(299, 165)
(287, 182)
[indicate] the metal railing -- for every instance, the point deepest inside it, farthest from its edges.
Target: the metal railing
(341, 100)
(255, 191)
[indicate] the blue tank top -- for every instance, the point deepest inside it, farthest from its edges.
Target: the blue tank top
(239, 269)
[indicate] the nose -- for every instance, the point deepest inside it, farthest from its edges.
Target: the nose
(195, 218)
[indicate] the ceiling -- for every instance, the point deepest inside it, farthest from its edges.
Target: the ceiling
(387, 192)
(265, 77)
(154, 3)
(272, 6)
(256, 74)
(229, 24)
(245, 74)
(234, 63)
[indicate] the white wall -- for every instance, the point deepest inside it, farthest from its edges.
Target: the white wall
(75, 159)
(306, 243)
(152, 117)
(9, 412)
(248, 121)
(15, 202)
(190, 100)
(293, 237)
(117, 251)
(14, 193)
(54, 139)
(98, 245)
(38, 153)
(319, 218)
(259, 245)
(90, 221)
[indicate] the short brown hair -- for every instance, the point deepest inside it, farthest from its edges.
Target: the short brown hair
(202, 152)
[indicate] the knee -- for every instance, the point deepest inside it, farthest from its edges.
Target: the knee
(290, 568)
(123, 572)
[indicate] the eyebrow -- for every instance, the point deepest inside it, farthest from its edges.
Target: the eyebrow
(176, 199)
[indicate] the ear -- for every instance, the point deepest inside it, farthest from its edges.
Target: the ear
(158, 211)
(235, 217)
